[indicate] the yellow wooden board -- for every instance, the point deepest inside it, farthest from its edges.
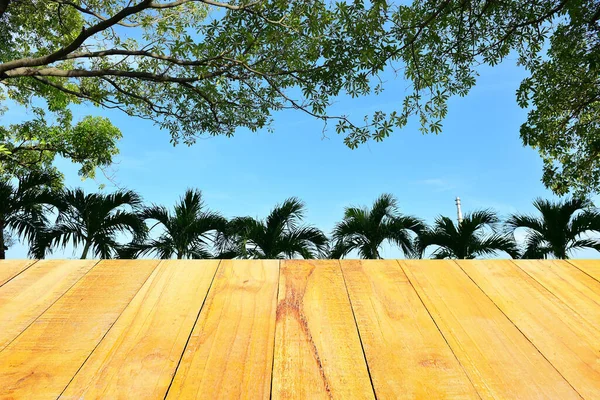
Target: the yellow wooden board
(29, 294)
(11, 268)
(499, 360)
(138, 357)
(300, 329)
(230, 352)
(40, 362)
(576, 289)
(590, 267)
(318, 352)
(568, 341)
(407, 356)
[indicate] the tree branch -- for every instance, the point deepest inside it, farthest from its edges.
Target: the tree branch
(149, 54)
(74, 45)
(83, 73)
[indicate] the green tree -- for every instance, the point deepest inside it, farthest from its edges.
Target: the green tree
(365, 230)
(442, 44)
(280, 235)
(169, 62)
(34, 145)
(188, 232)
(95, 220)
(468, 239)
(560, 228)
(24, 208)
(192, 74)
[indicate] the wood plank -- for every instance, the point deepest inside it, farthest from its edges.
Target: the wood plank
(407, 356)
(590, 267)
(29, 294)
(317, 347)
(10, 268)
(499, 360)
(40, 362)
(576, 289)
(230, 352)
(569, 342)
(139, 355)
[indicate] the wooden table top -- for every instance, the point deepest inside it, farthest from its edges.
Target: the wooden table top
(299, 329)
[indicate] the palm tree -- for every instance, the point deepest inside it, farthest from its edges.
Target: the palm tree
(94, 221)
(24, 207)
(559, 228)
(280, 235)
(467, 239)
(189, 232)
(365, 230)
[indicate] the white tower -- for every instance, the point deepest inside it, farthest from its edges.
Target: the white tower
(458, 210)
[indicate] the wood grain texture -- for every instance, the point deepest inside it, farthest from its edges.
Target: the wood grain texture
(407, 356)
(318, 353)
(590, 267)
(28, 295)
(40, 362)
(568, 341)
(11, 268)
(138, 357)
(429, 329)
(230, 352)
(500, 361)
(576, 289)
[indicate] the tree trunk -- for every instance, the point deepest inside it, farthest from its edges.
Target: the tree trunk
(375, 251)
(86, 248)
(2, 248)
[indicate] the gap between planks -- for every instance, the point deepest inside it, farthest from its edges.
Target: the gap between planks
(279, 295)
(7, 276)
(39, 287)
(581, 384)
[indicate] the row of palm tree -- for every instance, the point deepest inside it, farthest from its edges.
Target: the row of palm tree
(47, 218)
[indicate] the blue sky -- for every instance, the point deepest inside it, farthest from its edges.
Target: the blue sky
(478, 156)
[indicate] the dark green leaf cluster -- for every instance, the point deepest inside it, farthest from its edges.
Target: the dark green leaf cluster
(200, 67)
(37, 210)
(561, 228)
(364, 230)
(467, 239)
(34, 145)
(24, 207)
(280, 235)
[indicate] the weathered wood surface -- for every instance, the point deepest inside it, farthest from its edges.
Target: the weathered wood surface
(399, 337)
(32, 292)
(412, 329)
(565, 339)
(41, 362)
(494, 353)
(11, 268)
(139, 355)
(230, 352)
(318, 352)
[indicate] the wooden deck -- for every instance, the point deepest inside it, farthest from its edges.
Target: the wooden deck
(149, 329)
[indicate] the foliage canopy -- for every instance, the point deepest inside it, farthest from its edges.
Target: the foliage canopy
(279, 235)
(467, 239)
(366, 229)
(198, 67)
(561, 228)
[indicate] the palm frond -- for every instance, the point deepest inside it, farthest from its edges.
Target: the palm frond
(385, 206)
(585, 243)
(491, 244)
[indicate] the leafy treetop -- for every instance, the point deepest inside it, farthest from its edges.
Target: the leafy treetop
(209, 67)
